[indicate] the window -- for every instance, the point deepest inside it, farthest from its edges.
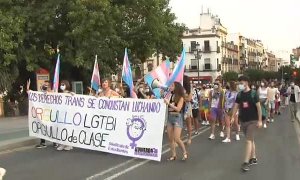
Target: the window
(206, 46)
(194, 64)
(193, 46)
(207, 65)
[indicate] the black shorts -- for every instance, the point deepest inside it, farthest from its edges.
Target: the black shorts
(249, 129)
(195, 113)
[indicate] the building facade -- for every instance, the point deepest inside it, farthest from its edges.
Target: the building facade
(271, 61)
(210, 40)
(230, 60)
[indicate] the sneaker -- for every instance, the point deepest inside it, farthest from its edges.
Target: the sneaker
(60, 147)
(212, 137)
(68, 148)
(55, 145)
(203, 123)
(268, 120)
(237, 137)
(245, 167)
(272, 120)
(196, 133)
(222, 134)
(253, 161)
(2, 172)
(226, 140)
(265, 125)
(40, 146)
(207, 123)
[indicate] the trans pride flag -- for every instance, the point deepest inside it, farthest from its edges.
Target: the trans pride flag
(127, 75)
(177, 75)
(95, 81)
(157, 78)
(56, 75)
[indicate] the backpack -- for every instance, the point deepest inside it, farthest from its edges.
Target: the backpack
(263, 108)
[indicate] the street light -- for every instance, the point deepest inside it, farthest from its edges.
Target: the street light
(197, 54)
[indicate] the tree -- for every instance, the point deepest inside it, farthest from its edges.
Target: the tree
(11, 37)
(82, 29)
(230, 76)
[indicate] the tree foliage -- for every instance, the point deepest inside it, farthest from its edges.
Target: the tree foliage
(230, 76)
(32, 30)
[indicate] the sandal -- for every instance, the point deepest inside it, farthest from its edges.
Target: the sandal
(172, 158)
(184, 157)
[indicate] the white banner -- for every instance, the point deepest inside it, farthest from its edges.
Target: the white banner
(128, 127)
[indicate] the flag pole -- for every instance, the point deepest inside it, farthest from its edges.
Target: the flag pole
(92, 74)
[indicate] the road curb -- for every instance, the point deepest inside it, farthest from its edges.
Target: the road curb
(17, 143)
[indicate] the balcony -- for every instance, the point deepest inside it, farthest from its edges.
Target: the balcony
(218, 49)
(206, 49)
(242, 62)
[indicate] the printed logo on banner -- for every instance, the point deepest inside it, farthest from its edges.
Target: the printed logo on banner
(136, 126)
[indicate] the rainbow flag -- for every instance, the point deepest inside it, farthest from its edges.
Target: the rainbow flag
(157, 78)
(127, 75)
(177, 74)
(56, 75)
(95, 81)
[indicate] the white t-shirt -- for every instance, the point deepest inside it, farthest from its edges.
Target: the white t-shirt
(271, 94)
(263, 93)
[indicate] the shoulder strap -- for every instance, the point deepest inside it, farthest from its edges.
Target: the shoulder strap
(197, 94)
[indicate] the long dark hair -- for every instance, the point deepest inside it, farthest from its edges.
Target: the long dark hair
(232, 86)
(67, 84)
(178, 92)
(187, 84)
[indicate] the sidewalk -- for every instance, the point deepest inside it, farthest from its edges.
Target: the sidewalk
(14, 133)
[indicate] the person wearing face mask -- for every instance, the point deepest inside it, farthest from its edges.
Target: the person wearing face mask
(46, 87)
(250, 116)
(65, 88)
(262, 94)
(216, 100)
(293, 96)
(230, 97)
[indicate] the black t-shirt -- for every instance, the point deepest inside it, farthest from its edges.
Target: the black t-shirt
(292, 98)
(247, 106)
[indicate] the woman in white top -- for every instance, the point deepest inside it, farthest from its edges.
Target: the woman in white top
(262, 93)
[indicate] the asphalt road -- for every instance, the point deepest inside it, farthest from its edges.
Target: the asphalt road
(278, 151)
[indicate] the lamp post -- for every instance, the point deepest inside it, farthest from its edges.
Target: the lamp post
(198, 57)
(282, 73)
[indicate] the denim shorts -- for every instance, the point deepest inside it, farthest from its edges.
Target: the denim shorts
(272, 105)
(175, 120)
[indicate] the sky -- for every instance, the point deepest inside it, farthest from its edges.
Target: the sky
(275, 22)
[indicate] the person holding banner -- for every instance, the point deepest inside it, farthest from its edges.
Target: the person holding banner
(65, 88)
(175, 120)
(46, 87)
(106, 90)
